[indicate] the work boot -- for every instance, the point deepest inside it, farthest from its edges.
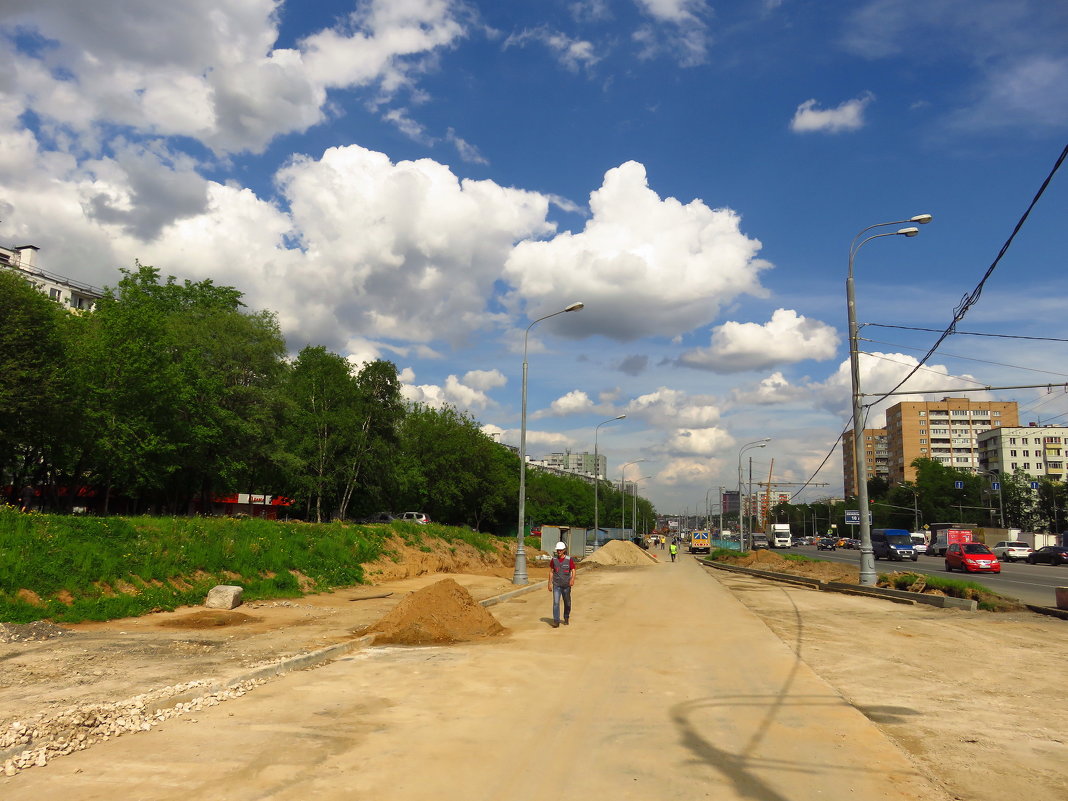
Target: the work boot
(567, 621)
(556, 624)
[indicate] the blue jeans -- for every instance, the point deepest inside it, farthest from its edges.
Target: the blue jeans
(558, 593)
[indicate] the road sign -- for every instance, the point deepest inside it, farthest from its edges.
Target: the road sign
(852, 517)
(958, 485)
(1034, 485)
(995, 485)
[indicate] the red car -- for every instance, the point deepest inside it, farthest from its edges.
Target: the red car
(971, 557)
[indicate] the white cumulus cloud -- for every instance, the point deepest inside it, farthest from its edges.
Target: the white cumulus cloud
(642, 265)
(846, 116)
(786, 338)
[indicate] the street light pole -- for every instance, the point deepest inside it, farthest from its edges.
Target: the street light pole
(758, 443)
(623, 492)
(520, 574)
(867, 556)
(597, 477)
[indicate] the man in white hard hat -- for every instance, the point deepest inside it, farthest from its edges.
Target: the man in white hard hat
(561, 580)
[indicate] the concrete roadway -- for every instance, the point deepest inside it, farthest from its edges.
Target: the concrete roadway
(1032, 584)
(664, 687)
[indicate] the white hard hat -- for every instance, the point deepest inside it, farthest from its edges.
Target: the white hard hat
(561, 547)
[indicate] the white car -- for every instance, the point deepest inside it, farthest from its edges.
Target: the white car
(1010, 551)
(415, 517)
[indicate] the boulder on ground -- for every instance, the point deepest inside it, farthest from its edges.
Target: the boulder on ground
(224, 596)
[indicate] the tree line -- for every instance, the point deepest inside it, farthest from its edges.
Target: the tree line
(169, 394)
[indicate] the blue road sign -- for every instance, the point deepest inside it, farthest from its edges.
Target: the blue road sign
(995, 485)
(1034, 485)
(852, 517)
(958, 485)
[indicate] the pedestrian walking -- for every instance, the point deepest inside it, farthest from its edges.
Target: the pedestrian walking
(674, 551)
(27, 498)
(561, 580)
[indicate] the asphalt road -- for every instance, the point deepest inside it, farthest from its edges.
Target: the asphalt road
(1032, 584)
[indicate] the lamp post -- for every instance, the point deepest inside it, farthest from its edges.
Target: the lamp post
(867, 557)
(758, 443)
(634, 501)
(623, 492)
(520, 575)
(597, 477)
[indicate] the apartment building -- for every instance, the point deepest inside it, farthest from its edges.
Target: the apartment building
(581, 463)
(71, 294)
(1034, 449)
(946, 430)
(876, 458)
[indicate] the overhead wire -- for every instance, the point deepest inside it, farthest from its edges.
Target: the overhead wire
(967, 358)
(966, 333)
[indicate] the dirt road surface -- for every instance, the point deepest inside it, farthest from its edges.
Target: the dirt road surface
(664, 686)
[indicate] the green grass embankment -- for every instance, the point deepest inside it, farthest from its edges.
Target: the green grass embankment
(71, 569)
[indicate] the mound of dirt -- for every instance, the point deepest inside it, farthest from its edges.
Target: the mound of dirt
(826, 571)
(619, 552)
(441, 612)
(403, 560)
(208, 620)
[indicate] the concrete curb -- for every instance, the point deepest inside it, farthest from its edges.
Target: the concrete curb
(897, 596)
(507, 596)
(1052, 611)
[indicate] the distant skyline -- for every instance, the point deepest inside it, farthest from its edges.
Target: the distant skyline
(418, 180)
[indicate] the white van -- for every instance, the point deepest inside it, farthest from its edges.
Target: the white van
(919, 542)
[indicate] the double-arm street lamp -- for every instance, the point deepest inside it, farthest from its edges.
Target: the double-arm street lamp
(597, 477)
(520, 575)
(623, 491)
(867, 557)
(757, 443)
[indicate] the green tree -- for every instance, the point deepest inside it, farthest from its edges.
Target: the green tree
(369, 447)
(323, 403)
(33, 378)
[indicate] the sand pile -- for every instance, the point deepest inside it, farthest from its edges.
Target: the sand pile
(619, 552)
(439, 613)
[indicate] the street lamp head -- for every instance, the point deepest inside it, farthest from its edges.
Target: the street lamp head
(575, 307)
(908, 231)
(922, 219)
(622, 416)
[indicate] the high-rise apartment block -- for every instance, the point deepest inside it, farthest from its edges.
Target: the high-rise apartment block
(582, 463)
(946, 430)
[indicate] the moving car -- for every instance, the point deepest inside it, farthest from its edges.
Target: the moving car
(1011, 550)
(826, 544)
(760, 541)
(892, 543)
(1053, 554)
(919, 542)
(415, 517)
(971, 557)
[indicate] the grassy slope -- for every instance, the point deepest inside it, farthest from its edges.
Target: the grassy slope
(99, 568)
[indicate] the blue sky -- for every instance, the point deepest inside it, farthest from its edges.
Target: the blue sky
(417, 180)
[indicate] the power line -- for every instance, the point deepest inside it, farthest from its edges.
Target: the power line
(965, 333)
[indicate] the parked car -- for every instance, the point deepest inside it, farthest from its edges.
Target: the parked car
(1053, 554)
(826, 544)
(415, 517)
(971, 557)
(381, 517)
(1011, 550)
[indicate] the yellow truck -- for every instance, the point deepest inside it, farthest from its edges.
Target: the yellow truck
(700, 542)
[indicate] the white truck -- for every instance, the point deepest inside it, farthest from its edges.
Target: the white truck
(779, 535)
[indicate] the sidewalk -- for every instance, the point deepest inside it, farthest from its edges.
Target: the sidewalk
(663, 687)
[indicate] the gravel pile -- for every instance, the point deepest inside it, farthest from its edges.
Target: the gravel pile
(30, 632)
(36, 741)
